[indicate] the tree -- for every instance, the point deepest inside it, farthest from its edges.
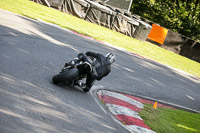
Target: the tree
(182, 16)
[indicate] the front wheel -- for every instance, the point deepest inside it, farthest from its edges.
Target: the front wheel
(65, 76)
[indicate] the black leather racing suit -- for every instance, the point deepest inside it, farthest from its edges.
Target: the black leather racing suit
(101, 68)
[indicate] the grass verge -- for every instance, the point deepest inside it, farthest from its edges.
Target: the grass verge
(166, 120)
(148, 50)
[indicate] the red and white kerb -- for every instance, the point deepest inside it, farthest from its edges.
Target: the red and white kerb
(125, 108)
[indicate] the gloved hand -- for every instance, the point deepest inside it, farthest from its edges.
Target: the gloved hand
(81, 56)
(74, 61)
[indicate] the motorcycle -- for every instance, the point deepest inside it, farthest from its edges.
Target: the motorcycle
(73, 72)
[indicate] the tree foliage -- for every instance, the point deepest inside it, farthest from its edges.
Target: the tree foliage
(182, 16)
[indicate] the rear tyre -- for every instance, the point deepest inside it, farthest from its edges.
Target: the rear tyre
(65, 76)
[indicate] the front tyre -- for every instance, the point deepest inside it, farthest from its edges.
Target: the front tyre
(65, 76)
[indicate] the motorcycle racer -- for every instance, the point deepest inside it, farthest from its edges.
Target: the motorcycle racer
(100, 67)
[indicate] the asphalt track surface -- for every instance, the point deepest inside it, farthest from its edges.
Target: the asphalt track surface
(31, 52)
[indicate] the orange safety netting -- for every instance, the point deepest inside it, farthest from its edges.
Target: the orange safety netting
(158, 34)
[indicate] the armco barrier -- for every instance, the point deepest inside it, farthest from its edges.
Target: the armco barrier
(142, 31)
(175, 42)
(182, 45)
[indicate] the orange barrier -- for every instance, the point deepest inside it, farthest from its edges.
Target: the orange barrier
(158, 34)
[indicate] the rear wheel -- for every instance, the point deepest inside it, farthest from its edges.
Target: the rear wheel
(65, 76)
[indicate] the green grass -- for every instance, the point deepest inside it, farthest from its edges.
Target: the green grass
(148, 50)
(166, 120)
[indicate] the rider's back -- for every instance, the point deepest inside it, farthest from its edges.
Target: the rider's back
(102, 64)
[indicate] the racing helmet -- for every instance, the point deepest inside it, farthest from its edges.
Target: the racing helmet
(111, 57)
